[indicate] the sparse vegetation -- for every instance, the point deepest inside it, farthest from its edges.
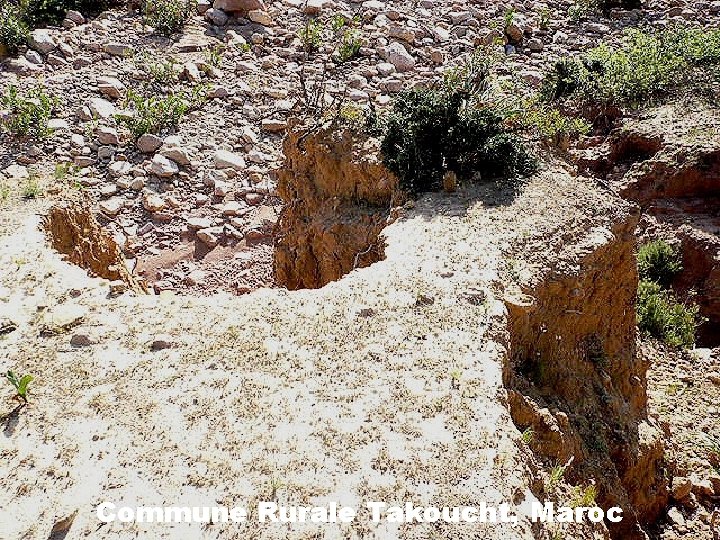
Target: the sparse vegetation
(63, 169)
(545, 15)
(17, 18)
(347, 39)
(527, 435)
(647, 67)
(32, 189)
(311, 35)
(152, 114)
(215, 55)
(660, 315)
(552, 126)
(168, 16)
(349, 45)
(20, 385)
(28, 114)
(160, 73)
(584, 496)
(660, 262)
(556, 474)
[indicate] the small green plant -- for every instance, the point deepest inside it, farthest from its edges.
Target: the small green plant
(584, 496)
(554, 127)
(660, 262)
(648, 66)
(168, 16)
(582, 9)
(350, 44)
(27, 115)
(275, 485)
(20, 385)
(353, 115)
(152, 114)
(63, 169)
(455, 376)
(311, 35)
(528, 435)
(509, 17)
(338, 22)
(161, 73)
(712, 446)
(32, 189)
(660, 315)
(4, 192)
(545, 14)
(215, 55)
(556, 474)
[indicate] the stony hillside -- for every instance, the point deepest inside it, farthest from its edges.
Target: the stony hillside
(228, 289)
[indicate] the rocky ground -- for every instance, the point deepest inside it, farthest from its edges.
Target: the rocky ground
(207, 186)
(209, 391)
(685, 396)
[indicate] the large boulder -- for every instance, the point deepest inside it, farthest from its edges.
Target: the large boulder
(239, 5)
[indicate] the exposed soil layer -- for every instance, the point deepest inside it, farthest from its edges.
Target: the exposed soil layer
(668, 161)
(338, 198)
(576, 381)
(72, 230)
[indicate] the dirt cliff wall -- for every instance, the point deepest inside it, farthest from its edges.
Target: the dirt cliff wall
(575, 378)
(72, 230)
(339, 197)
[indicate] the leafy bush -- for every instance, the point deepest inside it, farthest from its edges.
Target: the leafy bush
(647, 66)
(52, 12)
(16, 18)
(46, 12)
(311, 35)
(659, 262)
(661, 316)
(428, 132)
(168, 16)
(554, 127)
(13, 28)
(349, 45)
(28, 114)
(160, 73)
(152, 114)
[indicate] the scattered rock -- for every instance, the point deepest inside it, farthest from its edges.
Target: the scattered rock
(41, 41)
(228, 160)
(148, 143)
(163, 167)
(398, 56)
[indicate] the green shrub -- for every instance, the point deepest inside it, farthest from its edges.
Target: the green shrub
(554, 127)
(46, 12)
(27, 114)
(428, 132)
(16, 18)
(13, 28)
(152, 114)
(648, 66)
(661, 316)
(349, 45)
(160, 73)
(311, 35)
(168, 16)
(660, 262)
